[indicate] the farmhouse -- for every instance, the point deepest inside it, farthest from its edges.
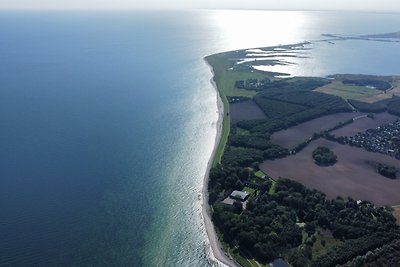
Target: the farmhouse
(239, 195)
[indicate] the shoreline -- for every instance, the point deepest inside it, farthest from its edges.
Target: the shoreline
(214, 252)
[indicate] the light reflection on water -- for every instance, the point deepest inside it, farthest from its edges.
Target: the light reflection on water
(248, 29)
(149, 123)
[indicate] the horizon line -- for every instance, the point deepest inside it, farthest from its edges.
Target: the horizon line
(188, 9)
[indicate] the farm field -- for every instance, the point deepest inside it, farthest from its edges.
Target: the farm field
(247, 110)
(382, 96)
(353, 175)
(291, 137)
(365, 123)
(362, 93)
(348, 91)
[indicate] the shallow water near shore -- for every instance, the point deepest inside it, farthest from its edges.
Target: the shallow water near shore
(108, 120)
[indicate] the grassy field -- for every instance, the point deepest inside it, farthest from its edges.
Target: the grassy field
(319, 249)
(272, 189)
(372, 99)
(362, 93)
(230, 77)
(249, 190)
(337, 88)
(219, 66)
(225, 80)
(260, 174)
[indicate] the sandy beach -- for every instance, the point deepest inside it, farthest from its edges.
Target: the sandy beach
(213, 249)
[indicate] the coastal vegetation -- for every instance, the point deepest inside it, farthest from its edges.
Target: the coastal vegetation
(282, 218)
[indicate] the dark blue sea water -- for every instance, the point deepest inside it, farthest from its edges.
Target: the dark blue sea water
(108, 120)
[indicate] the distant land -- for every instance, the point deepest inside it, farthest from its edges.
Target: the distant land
(271, 201)
(375, 37)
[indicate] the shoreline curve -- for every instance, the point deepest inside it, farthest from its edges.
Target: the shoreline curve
(214, 252)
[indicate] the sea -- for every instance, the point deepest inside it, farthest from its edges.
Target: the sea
(108, 120)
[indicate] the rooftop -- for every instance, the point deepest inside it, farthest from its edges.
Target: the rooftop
(240, 195)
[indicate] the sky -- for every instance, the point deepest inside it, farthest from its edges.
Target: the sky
(380, 5)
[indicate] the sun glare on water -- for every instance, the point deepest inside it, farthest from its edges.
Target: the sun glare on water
(244, 29)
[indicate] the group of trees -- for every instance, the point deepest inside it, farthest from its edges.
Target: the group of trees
(295, 84)
(284, 104)
(355, 247)
(243, 150)
(323, 156)
(270, 228)
(376, 83)
(387, 255)
(391, 105)
(367, 107)
(386, 170)
(287, 219)
(291, 108)
(394, 106)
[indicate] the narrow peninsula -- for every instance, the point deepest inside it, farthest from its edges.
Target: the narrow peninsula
(298, 176)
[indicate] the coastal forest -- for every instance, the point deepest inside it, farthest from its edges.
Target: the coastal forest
(282, 218)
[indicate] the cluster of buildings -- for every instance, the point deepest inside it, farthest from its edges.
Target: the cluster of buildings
(383, 139)
(252, 84)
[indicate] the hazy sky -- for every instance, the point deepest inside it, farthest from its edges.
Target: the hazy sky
(387, 5)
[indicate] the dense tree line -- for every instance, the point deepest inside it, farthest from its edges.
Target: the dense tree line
(298, 101)
(269, 227)
(309, 99)
(277, 109)
(245, 156)
(295, 84)
(376, 83)
(258, 141)
(288, 102)
(367, 107)
(241, 156)
(394, 106)
(292, 108)
(353, 248)
(274, 125)
(387, 255)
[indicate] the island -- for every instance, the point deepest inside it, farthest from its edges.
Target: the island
(269, 201)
